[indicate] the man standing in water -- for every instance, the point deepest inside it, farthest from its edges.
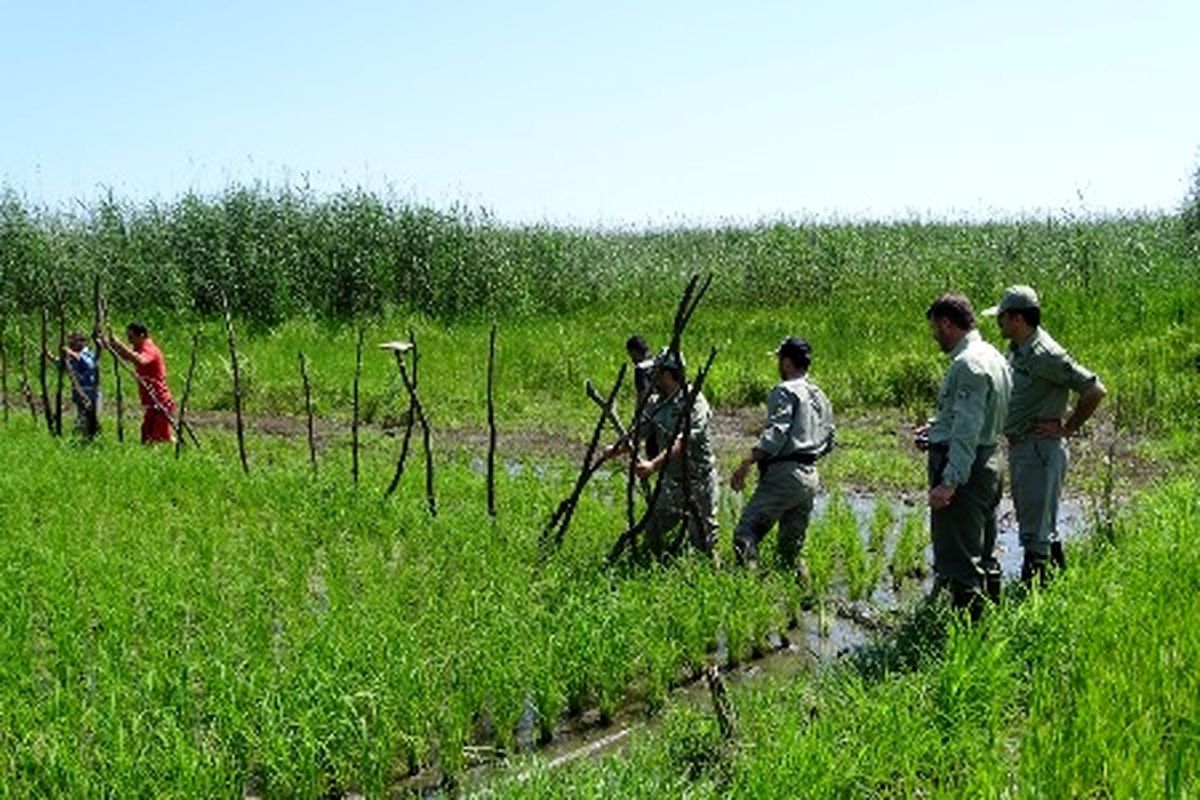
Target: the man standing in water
(799, 431)
(147, 360)
(963, 465)
(688, 494)
(1037, 426)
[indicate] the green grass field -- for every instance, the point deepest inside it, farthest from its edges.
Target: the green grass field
(177, 628)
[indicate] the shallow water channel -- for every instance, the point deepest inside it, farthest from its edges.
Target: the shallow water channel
(817, 638)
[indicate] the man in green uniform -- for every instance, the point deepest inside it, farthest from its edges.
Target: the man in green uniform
(964, 468)
(799, 431)
(690, 485)
(1037, 426)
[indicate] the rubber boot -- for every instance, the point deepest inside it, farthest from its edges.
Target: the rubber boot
(1033, 568)
(991, 580)
(969, 598)
(1058, 556)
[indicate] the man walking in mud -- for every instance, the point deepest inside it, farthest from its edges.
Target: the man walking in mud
(1037, 425)
(799, 431)
(689, 491)
(963, 464)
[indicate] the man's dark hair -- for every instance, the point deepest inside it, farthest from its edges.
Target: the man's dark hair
(637, 344)
(953, 307)
(139, 328)
(1032, 316)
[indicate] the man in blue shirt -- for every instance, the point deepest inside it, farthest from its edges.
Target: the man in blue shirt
(84, 368)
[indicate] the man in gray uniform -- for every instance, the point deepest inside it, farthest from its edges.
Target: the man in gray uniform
(1043, 376)
(660, 426)
(799, 431)
(963, 465)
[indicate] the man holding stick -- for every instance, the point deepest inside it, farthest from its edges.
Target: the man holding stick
(689, 491)
(151, 371)
(83, 367)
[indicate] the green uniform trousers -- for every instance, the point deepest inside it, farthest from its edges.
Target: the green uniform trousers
(784, 494)
(1037, 468)
(667, 514)
(964, 533)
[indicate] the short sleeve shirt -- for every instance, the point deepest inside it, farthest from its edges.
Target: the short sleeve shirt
(1043, 375)
(799, 420)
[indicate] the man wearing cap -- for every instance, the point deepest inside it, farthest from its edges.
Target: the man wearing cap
(799, 431)
(696, 498)
(1037, 425)
(965, 483)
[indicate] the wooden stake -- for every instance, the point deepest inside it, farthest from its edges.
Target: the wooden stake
(358, 349)
(308, 408)
(491, 414)
(560, 520)
(399, 348)
(46, 410)
(183, 401)
(26, 389)
(237, 383)
(61, 363)
(4, 364)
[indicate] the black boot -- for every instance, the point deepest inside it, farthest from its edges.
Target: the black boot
(991, 580)
(1033, 568)
(1058, 556)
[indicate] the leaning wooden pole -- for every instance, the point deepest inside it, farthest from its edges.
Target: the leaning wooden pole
(560, 520)
(308, 410)
(181, 422)
(411, 419)
(26, 389)
(358, 350)
(47, 412)
(118, 399)
(4, 364)
(237, 383)
(491, 414)
(61, 369)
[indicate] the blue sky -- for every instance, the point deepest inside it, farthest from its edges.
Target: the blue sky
(615, 112)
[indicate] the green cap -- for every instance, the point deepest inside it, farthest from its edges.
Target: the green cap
(1015, 298)
(669, 360)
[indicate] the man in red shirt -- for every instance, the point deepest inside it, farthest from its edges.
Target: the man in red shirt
(147, 360)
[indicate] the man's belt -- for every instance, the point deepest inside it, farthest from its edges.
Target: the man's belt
(807, 459)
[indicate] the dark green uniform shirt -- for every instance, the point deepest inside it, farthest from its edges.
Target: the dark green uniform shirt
(1043, 376)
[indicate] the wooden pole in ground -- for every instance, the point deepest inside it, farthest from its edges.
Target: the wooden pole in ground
(308, 409)
(358, 350)
(237, 383)
(102, 312)
(26, 389)
(61, 364)
(47, 412)
(183, 401)
(399, 348)
(491, 414)
(4, 364)
(411, 420)
(560, 520)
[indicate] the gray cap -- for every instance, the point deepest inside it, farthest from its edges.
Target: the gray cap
(1016, 298)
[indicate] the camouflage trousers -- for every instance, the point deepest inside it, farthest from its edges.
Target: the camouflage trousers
(668, 514)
